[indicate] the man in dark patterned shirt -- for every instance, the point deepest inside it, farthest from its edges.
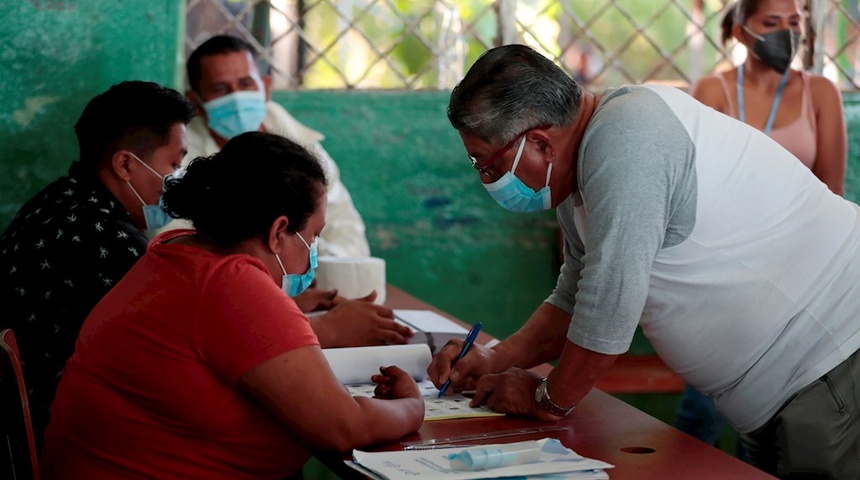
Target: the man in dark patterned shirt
(74, 240)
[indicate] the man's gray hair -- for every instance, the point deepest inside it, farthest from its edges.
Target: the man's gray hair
(509, 90)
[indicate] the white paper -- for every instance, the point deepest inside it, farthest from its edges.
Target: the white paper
(435, 408)
(355, 365)
(429, 321)
(580, 475)
(435, 465)
(430, 327)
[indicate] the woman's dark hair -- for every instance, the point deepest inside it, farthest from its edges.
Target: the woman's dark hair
(237, 193)
(736, 12)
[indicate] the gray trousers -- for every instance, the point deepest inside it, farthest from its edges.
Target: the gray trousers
(816, 434)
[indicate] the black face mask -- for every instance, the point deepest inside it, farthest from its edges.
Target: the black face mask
(776, 49)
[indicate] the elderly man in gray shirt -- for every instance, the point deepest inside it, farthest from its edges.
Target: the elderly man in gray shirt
(741, 267)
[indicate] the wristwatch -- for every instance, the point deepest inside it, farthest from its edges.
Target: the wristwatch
(543, 401)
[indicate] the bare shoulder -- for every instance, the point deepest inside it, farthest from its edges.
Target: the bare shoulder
(709, 90)
(824, 92)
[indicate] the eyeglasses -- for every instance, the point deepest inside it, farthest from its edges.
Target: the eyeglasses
(485, 168)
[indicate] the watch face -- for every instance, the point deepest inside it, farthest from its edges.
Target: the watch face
(545, 403)
(540, 393)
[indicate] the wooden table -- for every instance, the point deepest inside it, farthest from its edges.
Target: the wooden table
(602, 427)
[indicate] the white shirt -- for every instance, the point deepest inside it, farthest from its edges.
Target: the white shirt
(742, 268)
(344, 233)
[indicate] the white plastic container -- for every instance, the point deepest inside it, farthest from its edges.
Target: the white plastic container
(494, 456)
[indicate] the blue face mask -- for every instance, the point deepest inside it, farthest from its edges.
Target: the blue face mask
(511, 193)
(236, 113)
(294, 283)
(154, 215)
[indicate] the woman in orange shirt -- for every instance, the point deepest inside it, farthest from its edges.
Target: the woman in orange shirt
(198, 363)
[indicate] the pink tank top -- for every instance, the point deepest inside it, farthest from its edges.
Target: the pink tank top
(798, 137)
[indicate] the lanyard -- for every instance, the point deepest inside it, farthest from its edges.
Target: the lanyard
(773, 108)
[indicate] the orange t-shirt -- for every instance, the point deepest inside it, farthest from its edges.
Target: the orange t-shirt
(151, 390)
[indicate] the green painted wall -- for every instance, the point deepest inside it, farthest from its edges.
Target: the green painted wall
(443, 238)
(54, 57)
(427, 214)
(851, 102)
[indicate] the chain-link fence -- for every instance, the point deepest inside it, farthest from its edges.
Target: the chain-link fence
(428, 44)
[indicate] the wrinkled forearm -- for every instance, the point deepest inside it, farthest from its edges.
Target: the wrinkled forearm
(540, 340)
(576, 373)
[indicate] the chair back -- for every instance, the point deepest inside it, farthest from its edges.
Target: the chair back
(18, 459)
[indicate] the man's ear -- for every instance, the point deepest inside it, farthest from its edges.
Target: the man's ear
(120, 164)
(195, 100)
(277, 232)
(543, 141)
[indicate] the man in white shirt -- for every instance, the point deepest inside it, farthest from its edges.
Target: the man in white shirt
(233, 98)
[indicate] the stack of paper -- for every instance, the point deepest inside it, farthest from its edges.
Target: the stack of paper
(555, 462)
(354, 366)
(430, 327)
(435, 408)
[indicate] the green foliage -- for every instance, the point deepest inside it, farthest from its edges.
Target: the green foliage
(412, 54)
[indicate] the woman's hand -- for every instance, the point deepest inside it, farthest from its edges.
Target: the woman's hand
(314, 299)
(392, 382)
(359, 323)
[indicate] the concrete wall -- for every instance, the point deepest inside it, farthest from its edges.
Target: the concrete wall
(55, 55)
(851, 103)
(427, 215)
(443, 238)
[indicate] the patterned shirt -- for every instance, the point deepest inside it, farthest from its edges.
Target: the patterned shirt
(63, 251)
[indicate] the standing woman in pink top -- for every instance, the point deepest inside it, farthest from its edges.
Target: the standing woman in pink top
(800, 110)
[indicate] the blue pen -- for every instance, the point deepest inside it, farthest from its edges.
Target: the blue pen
(470, 339)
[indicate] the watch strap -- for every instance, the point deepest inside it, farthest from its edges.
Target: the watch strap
(544, 402)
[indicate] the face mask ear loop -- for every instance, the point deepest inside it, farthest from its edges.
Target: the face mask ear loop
(303, 240)
(147, 166)
(755, 35)
(136, 194)
(278, 258)
(548, 173)
(519, 154)
(795, 46)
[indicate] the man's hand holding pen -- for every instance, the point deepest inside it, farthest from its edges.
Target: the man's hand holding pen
(467, 344)
(464, 372)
